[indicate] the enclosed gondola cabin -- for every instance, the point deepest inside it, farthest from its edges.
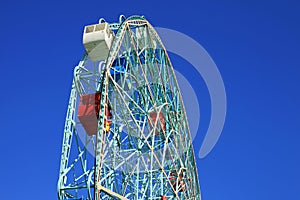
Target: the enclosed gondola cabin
(97, 40)
(89, 111)
(157, 120)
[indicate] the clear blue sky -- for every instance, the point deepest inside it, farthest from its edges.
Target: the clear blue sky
(255, 45)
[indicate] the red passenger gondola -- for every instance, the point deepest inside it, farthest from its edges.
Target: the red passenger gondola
(88, 113)
(177, 180)
(161, 123)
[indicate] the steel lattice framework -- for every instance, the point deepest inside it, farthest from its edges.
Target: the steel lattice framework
(146, 153)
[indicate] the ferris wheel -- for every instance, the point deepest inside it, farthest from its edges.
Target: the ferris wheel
(126, 133)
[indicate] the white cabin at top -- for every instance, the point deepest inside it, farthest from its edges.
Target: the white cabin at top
(97, 40)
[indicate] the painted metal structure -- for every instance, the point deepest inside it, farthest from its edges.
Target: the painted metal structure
(145, 152)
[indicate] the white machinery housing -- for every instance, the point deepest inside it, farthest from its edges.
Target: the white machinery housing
(97, 40)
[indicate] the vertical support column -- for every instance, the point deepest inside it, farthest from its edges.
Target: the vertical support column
(67, 140)
(100, 145)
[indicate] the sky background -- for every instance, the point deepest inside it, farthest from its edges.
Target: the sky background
(255, 45)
